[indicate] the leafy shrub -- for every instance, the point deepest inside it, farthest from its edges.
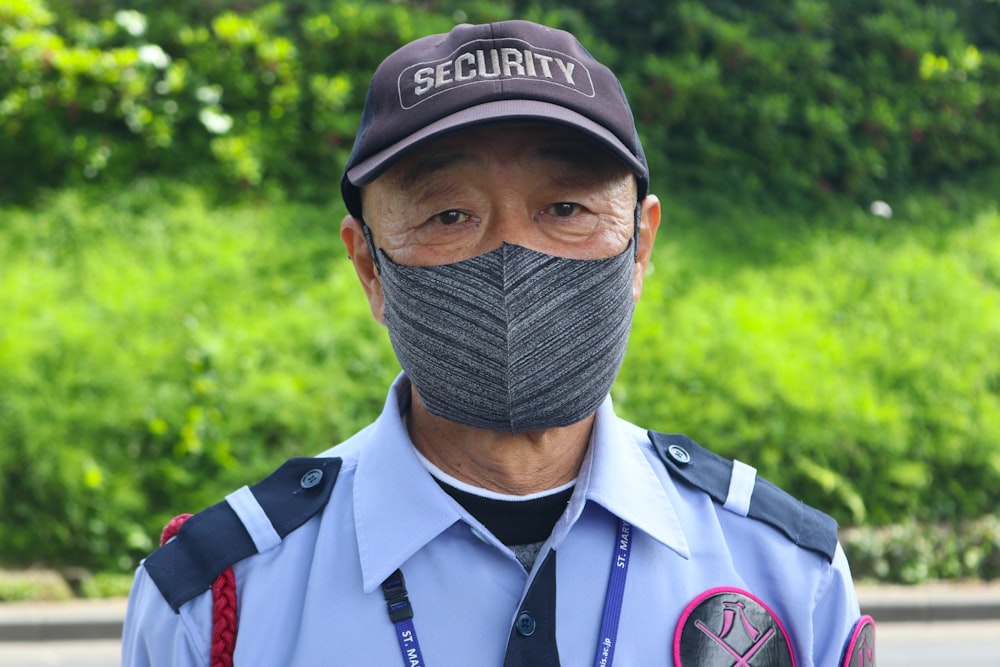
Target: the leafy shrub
(237, 96)
(855, 366)
(791, 100)
(157, 351)
(17, 586)
(911, 552)
(106, 585)
(771, 99)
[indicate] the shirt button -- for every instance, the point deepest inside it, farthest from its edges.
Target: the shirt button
(525, 624)
(679, 454)
(311, 478)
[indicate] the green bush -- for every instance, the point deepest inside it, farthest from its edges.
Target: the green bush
(910, 553)
(770, 99)
(157, 351)
(18, 586)
(154, 352)
(159, 348)
(797, 99)
(237, 96)
(854, 364)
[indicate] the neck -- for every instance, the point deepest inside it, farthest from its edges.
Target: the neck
(511, 463)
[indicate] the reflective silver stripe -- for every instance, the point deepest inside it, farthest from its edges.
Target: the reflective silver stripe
(741, 488)
(249, 511)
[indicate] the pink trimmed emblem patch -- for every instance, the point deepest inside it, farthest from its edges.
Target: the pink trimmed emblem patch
(729, 627)
(860, 650)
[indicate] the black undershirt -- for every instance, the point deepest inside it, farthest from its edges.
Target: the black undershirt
(514, 522)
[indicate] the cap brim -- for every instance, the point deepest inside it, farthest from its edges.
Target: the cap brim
(369, 169)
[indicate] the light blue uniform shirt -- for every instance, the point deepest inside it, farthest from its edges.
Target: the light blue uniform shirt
(315, 598)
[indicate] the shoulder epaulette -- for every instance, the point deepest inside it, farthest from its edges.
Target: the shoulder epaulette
(249, 521)
(688, 461)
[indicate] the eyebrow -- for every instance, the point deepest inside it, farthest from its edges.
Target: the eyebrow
(426, 166)
(571, 156)
(587, 162)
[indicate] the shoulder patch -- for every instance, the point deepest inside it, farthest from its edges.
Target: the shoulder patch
(860, 648)
(723, 625)
(688, 461)
(217, 537)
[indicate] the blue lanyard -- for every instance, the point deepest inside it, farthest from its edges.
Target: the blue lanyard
(401, 611)
(614, 597)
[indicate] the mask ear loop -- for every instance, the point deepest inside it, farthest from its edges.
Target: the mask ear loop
(635, 232)
(371, 244)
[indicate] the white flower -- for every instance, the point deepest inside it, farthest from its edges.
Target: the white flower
(131, 21)
(151, 54)
(209, 94)
(215, 122)
(881, 209)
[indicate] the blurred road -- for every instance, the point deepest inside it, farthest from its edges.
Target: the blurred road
(92, 653)
(942, 644)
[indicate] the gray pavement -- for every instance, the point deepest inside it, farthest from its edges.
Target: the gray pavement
(69, 653)
(930, 602)
(939, 644)
(933, 624)
(61, 621)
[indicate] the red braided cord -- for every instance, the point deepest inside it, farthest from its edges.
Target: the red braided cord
(223, 605)
(224, 619)
(172, 527)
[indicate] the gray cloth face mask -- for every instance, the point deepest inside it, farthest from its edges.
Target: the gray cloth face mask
(513, 339)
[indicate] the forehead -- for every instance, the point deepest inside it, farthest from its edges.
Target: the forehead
(529, 145)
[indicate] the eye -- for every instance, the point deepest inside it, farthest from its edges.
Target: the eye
(450, 217)
(564, 209)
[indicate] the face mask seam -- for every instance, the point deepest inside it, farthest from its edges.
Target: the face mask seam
(506, 306)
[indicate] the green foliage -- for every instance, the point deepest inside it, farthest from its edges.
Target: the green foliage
(236, 96)
(770, 99)
(157, 351)
(798, 99)
(855, 366)
(159, 347)
(106, 585)
(24, 585)
(911, 553)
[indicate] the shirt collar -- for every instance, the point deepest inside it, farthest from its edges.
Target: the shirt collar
(398, 507)
(617, 475)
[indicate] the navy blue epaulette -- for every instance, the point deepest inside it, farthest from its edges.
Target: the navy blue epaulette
(690, 462)
(250, 521)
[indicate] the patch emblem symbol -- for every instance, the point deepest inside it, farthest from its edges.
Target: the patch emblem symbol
(860, 650)
(729, 627)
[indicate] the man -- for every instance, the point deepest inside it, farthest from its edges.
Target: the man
(498, 512)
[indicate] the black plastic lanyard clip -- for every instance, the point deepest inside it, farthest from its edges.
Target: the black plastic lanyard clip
(396, 600)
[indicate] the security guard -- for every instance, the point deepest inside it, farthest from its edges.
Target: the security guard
(498, 512)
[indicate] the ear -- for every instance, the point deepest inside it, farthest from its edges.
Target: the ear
(353, 237)
(649, 224)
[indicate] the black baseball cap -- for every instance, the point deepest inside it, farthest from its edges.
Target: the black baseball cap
(478, 74)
